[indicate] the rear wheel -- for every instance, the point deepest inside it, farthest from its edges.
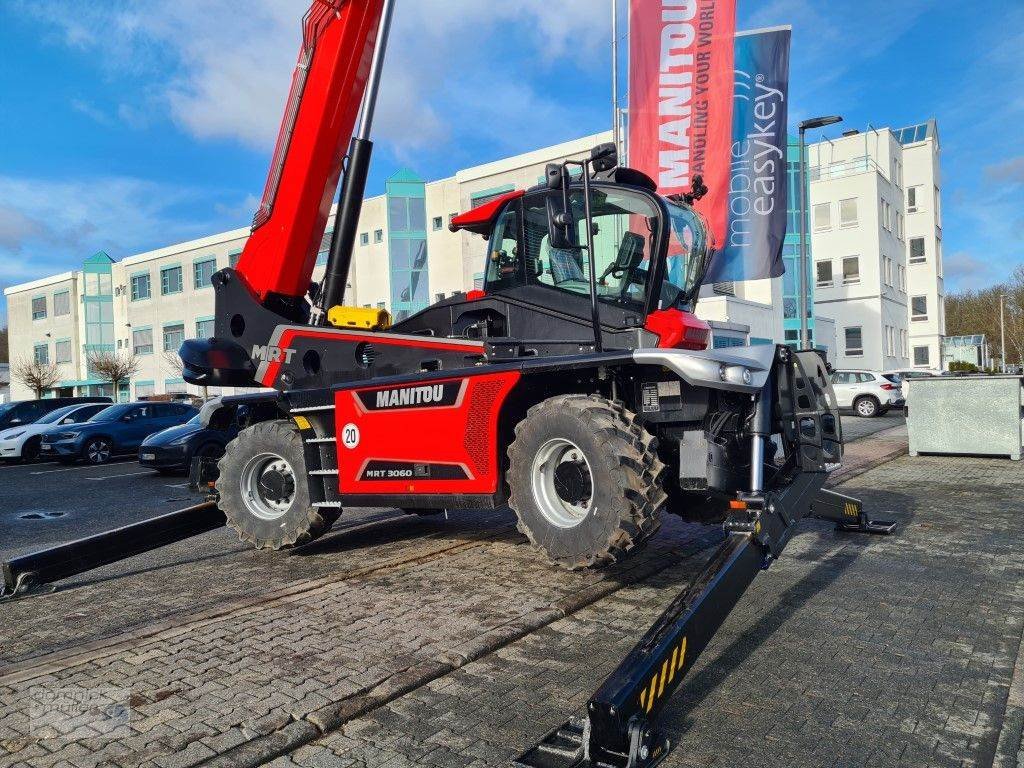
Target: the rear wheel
(585, 479)
(97, 450)
(866, 406)
(263, 490)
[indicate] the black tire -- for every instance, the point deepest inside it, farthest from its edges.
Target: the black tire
(169, 471)
(301, 522)
(30, 450)
(626, 497)
(866, 406)
(97, 450)
(421, 512)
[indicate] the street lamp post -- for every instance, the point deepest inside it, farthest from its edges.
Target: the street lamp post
(814, 122)
(1002, 327)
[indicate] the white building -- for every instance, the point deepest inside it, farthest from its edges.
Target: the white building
(875, 270)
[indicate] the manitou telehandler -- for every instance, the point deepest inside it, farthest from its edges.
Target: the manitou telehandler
(575, 387)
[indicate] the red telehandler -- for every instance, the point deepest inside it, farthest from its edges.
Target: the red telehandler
(575, 388)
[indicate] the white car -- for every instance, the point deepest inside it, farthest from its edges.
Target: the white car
(867, 393)
(22, 442)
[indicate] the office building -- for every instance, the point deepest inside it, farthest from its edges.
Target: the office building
(875, 271)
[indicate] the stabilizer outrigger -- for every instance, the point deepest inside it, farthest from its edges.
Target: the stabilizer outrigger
(617, 730)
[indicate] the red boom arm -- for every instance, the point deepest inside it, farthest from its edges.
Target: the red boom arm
(338, 38)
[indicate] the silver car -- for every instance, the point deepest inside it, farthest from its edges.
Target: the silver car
(867, 393)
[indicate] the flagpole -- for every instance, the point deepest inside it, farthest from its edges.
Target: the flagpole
(615, 74)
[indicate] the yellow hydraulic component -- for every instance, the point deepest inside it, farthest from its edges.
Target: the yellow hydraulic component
(364, 318)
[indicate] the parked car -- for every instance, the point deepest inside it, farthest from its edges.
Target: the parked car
(907, 374)
(22, 412)
(22, 443)
(115, 430)
(866, 393)
(173, 449)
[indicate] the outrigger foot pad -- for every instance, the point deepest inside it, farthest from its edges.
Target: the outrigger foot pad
(867, 525)
(564, 748)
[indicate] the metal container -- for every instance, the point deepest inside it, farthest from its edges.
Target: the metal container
(979, 415)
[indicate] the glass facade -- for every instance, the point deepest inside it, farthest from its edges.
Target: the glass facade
(407, 244)
(98, 304)
(791, 253)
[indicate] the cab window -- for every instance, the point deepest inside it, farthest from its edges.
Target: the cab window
(624, 229)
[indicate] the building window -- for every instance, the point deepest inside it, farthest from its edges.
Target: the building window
(175, 387)
(890, 341)
(824, 274)
(62, 351)
(887, 266)
(919, 308)
(903, 277)
(851, 270)
(822, 217)
(726, 288)
(144, 389)
(380, 305)
(921, 356)
(142, 341)
(41, 354)
(202, 272)
(903, 343)
(174, 337)
(39, 308)
(204, 329)
(140, 287)
(899, 226)
(848, 212)
(233, 259)
(170, 280)
(438, 297)
(912, 193)
(61, 304)
(378, 236)
(364, 238)
(438, 223)
(917, 255)
(854, 342)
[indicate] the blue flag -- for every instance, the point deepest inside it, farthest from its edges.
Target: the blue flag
(756, 228)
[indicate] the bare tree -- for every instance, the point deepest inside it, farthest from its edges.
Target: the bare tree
(35, 375)
(115, 367)
(174, 363)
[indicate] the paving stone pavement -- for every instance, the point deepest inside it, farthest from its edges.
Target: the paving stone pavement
(849, 651)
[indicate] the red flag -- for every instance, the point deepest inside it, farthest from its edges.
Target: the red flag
(680, 97)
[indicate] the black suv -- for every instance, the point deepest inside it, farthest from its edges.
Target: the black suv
(22, 412)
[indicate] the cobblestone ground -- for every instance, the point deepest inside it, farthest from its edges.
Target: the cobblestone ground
(849, 651)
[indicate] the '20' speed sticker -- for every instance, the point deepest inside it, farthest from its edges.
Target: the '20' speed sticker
(350, 436)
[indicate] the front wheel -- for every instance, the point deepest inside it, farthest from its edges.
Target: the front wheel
(97, 450)
(30, 450)
(584, 478)
(263, 490)
(866, 406)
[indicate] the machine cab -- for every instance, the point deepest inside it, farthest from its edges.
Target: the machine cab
(650, 255)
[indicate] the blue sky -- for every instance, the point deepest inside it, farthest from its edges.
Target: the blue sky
(132, 125)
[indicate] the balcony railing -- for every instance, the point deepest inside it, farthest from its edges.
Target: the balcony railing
(841, 168)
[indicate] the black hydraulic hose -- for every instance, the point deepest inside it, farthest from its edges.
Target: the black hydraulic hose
(346, 223)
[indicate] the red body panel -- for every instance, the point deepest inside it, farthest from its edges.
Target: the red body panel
(676, 329)
(338, 40)
(378, 339)
(481, 219)
(443, 440)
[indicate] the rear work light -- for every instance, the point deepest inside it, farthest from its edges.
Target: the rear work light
(888, 387)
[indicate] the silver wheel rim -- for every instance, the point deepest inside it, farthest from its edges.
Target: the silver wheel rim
(98, 452)
(552, 503)
(865, 408)
(253, 495)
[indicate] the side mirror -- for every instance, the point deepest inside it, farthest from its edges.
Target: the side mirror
(561, 227)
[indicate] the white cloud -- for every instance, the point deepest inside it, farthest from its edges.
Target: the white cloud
(51, 226)
(233, 67)
(1011, 171)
